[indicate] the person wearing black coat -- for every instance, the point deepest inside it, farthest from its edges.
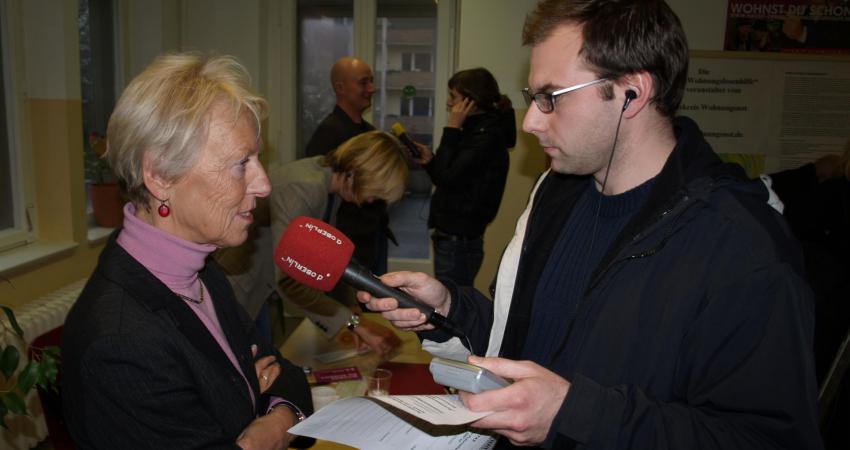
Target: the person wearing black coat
(650, 297)
(816, 199)
(156, 352)
(469, 170)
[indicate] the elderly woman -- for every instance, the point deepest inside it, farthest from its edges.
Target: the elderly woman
(365, 168)
(157, 354)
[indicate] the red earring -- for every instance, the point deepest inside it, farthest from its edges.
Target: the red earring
(163, 209)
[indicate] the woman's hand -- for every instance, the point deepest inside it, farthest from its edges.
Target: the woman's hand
(269, 431)
(425, 154)
(460, 111)
(267, 369)
(375, 336)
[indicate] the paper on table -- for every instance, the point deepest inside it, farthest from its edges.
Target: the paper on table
(364, 422)
(339, 355)
(437, 409)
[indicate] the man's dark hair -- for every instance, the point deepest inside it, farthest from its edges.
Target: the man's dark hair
(481, 86)
(622, 37)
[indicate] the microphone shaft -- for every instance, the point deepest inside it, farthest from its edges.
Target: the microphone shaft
(362, 279)
(405, 139)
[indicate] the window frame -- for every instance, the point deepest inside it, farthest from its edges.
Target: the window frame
(23, 231)
(283, 127)
(103, 100)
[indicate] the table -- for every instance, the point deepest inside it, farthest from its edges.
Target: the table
(307, 341)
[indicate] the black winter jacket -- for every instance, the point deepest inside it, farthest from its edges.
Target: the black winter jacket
(469, 170)
(696, 329)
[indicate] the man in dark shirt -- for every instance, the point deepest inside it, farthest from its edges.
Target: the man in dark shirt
(353, 84)
(650, 298)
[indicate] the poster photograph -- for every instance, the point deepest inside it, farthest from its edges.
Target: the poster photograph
(795, 26)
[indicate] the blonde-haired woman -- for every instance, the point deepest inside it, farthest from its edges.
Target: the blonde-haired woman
(156, 352)
(365, 168)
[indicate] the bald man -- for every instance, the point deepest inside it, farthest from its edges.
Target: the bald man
(366, 225)
(353, 85)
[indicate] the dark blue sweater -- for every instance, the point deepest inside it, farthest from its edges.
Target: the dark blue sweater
(588, 234)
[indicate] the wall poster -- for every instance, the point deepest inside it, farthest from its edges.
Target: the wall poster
(798, 26)
(786, 112)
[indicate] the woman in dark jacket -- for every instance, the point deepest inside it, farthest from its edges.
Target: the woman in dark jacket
(469, 170)
(156, 352)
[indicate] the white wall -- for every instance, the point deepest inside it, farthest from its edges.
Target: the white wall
(226, 27)
(257, 32)
(45, 24)
(704, 22)
(491, 36)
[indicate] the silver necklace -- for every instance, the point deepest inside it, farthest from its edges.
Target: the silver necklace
(200, 298)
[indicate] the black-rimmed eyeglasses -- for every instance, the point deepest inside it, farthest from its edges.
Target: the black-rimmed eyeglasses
(546, 100)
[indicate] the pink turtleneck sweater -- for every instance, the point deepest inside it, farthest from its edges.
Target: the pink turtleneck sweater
(176, 263)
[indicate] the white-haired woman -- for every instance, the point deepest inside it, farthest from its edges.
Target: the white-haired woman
(157, 353)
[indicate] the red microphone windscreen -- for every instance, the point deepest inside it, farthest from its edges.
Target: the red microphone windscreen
(313, 253)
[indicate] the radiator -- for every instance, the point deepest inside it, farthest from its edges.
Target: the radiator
(35, 318)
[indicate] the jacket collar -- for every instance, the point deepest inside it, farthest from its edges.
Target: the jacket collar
(692, 166)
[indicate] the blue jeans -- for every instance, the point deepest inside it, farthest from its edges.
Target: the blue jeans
(457, 258)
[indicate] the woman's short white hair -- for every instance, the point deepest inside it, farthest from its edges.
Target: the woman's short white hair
(165, 112)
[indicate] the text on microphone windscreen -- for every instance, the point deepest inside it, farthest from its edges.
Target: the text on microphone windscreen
(313, 253)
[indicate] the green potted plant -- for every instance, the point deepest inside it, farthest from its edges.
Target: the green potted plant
(106, 200)
(40, 371)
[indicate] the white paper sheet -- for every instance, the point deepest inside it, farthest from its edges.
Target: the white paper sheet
(437, 409)
(339, 355)
(364, 422)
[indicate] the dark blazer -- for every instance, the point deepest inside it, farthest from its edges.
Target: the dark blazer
(140, 370)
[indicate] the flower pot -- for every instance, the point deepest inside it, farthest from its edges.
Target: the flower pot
(107, 205)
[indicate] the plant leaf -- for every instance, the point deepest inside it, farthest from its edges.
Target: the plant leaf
(9, 359)
(15, 403)
(11, 316)
(49, 370)
(28, 377)
(51, 351)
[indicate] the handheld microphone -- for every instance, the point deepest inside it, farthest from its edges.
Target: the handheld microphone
(318, 255)
(401, 134)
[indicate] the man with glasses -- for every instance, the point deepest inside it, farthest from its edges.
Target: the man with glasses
(650, 297)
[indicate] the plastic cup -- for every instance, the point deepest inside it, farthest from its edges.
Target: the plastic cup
(323, 396)
(379, 383)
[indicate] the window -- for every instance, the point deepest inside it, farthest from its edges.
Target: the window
(422, 62)
(331, 26)
(7, 209)
(14, 228)
(406, 38)
(400, 38)
(97, 88)
(417, 62)
(417, 106)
